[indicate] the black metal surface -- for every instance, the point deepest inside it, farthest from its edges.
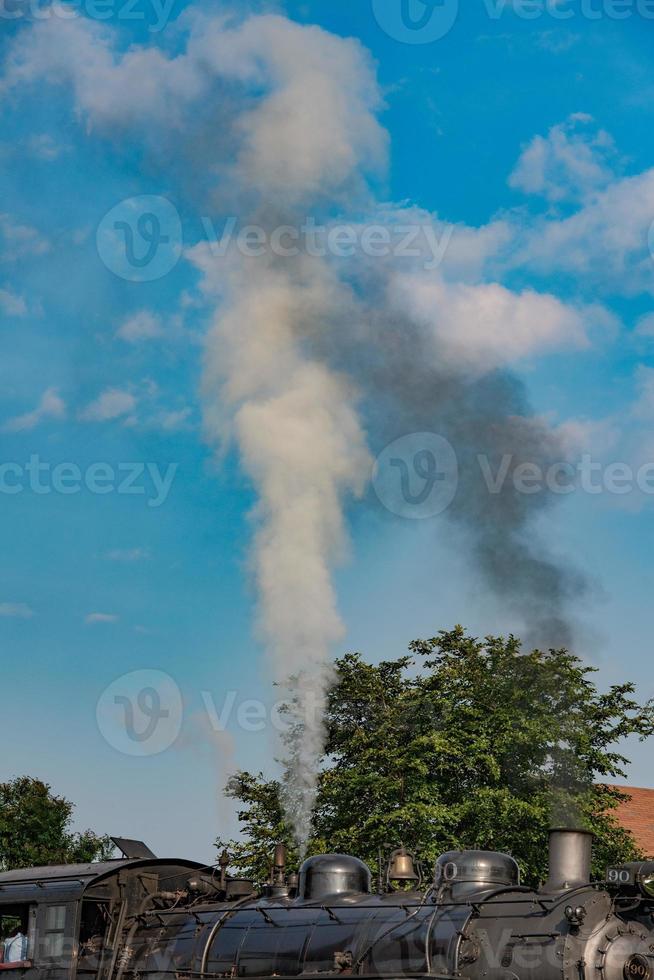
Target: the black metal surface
(148, 924)
(60, 871)
(133, 848)
(333, 874)
(480, 869)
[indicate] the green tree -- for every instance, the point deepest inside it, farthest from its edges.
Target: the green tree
(461, 744)
(261, 812)
(35, 828)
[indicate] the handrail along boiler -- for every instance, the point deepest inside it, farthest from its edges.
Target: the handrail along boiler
(141, 918)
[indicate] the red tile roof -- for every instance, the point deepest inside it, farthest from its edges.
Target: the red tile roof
(637, 815)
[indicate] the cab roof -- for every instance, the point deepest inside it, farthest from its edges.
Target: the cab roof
(50, 872)
(73, 880)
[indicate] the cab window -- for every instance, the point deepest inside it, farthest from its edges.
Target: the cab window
(92, 933)
(53, 934)
(16, 939)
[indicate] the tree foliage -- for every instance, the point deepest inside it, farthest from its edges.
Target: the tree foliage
(461, 744)
(35, 828)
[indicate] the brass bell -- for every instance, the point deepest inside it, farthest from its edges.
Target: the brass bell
(401, 867)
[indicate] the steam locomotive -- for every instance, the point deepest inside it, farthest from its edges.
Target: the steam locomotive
(138, 918)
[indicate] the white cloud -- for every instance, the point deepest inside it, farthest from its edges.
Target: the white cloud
(643, 407)
(172, 421)
(595, 436)
(143, 325)
(311, 130)
(20, 241)
(11, 304)
(604, 244)
(98, 617)
(574, 160)
(316, 126)
(45, 147)
(111, 89)
(624, 438)
(15, 610)
(50, 406)
(483, 326)
(645, 326)
(129, 554)
(142, 406)
(113, 403)
(557, 41)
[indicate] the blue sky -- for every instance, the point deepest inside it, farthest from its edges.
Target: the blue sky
(529, 140)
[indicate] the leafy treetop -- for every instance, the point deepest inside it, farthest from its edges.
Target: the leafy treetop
(35, 828)
(463, 743)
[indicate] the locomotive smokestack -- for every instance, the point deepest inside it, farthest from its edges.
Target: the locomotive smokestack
(279, 865)
(571, 854)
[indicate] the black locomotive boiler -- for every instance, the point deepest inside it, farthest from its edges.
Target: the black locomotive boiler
(140, 918)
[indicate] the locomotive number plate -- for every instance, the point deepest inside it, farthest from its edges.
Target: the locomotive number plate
(637, 968)
(620, 876)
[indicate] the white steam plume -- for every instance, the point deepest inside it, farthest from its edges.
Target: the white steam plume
(301, 443)
(294, 417)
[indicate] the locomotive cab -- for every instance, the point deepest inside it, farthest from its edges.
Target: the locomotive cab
(73, 915)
